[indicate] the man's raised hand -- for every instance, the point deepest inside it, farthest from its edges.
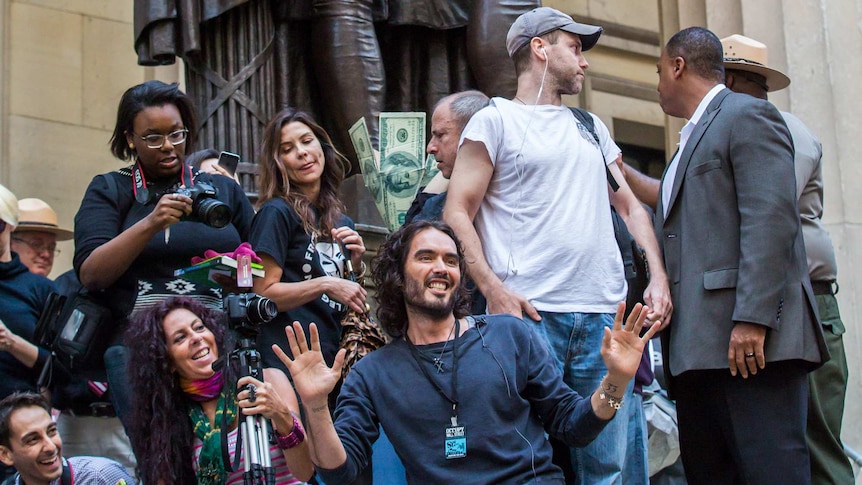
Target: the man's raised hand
(622, 347)
(313, 379)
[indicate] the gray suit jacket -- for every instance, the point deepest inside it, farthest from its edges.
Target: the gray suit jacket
(732, 242)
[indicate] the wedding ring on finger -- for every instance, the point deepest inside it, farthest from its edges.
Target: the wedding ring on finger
(252, 393)
(749, 355)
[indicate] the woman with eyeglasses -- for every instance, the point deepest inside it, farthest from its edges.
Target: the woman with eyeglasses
(133, 229)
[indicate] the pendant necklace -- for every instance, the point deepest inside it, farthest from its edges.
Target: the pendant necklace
(438, 360)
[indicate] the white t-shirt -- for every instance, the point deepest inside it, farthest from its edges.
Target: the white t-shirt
(545, 221)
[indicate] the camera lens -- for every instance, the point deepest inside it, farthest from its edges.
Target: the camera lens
(261, 310)
(213, 212)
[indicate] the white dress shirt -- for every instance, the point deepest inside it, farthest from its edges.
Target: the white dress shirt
(684, 134)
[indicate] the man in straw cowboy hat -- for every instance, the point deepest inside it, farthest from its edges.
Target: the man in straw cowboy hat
(747, 71)
(35, 238)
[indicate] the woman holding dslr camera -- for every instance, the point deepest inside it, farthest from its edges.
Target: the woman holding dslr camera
(137, 225)
(181, 406)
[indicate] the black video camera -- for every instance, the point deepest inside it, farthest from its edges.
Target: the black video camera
(206, 207)
(248, 310)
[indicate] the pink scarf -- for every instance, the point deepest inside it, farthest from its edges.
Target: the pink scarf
(203, 389)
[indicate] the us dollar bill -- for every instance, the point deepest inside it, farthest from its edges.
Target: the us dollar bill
(368, 157)
(402, 148)
(368, 163)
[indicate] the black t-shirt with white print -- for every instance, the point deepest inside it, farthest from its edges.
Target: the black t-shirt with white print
(277, 231)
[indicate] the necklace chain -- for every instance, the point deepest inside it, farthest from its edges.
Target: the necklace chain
(438, 361)
(520, 101)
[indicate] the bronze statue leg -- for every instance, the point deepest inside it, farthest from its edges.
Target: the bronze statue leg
(348, 67)
(486, 44)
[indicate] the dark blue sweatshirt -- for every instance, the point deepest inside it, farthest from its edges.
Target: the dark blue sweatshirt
(22, 297)
(509, 391)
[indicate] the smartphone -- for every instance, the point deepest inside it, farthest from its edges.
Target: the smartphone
(228, 161)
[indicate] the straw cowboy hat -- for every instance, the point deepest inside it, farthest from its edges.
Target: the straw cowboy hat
(37, 215)
(745, 54)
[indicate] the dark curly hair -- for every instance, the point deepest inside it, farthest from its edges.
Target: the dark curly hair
(146, 95)
(160, 429)
(274, 182)
(388, 275)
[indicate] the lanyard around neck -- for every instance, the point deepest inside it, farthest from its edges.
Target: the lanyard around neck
(453, 399)
(139, 182)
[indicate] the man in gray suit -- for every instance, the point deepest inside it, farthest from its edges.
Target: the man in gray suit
(745, 329)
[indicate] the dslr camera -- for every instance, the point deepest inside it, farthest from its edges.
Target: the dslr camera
(248, 310)
(206, 207)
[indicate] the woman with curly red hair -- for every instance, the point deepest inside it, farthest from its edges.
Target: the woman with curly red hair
(179, 402)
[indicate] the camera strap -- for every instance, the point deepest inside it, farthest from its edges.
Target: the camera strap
(139, 182)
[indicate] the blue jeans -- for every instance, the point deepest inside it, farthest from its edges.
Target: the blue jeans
(636, 469)
(116, 367)
(387, 467)
(575, 342)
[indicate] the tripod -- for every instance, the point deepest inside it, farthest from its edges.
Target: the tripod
(254, 430)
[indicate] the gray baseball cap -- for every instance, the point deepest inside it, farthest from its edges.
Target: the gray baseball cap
(542, 20)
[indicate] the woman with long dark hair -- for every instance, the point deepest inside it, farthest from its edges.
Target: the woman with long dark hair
(133, 230)
(179, 401)
(300, 231)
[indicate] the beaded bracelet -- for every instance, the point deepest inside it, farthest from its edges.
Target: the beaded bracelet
(292, 439)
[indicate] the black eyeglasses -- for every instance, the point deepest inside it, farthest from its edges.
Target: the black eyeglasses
(51, 248)
(157, 141)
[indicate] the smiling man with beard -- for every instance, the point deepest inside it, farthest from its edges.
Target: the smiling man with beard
(30, 442)
(463, 399)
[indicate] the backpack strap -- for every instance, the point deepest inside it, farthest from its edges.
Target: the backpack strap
(67, 478)
(587, 120)
(126, 201)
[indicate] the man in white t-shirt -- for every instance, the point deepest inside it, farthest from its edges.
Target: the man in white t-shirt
(530, 200)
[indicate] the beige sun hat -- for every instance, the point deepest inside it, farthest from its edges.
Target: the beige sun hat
(8, 206)
(37, 215)
(746, 54)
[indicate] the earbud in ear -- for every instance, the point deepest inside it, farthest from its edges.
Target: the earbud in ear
(545, 53)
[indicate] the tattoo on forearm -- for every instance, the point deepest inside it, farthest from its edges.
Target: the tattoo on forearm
(319, 409)
(611, 388)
